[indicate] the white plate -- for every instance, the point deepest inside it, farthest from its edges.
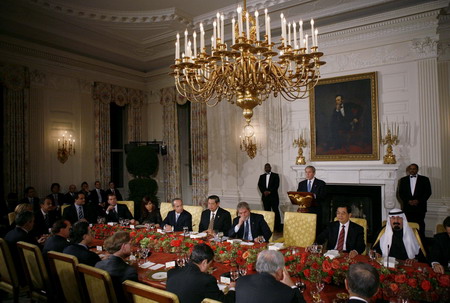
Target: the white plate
(161, 275)
(140, 226)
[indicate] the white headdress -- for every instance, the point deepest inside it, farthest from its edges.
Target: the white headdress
(409, 240)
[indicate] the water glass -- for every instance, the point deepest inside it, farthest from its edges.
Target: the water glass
(220, 236)
(243, 270)
(234, 274)
(185, 231)
(300, 285)
(372, 255)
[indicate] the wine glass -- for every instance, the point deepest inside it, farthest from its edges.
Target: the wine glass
(260, 239)
(243, 270)
(185, 231)
(181, 261)
(220, 235)
(372, 255)
(234, 274)
(300, 285)
(316, 295)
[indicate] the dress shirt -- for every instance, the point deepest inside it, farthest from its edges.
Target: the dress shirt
(99, 195)
(177, 215)
(267, 179)
(357, 298)
(347, 224)
(412, 183)
(115, 209)
(213, 213)
(250, 236)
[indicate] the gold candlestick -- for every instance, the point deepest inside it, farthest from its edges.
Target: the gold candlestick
(389, 140)
(300, 142)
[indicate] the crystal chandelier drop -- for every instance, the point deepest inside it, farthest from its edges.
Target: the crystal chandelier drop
(247, 72)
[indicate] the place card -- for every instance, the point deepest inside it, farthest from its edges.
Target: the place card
(132, 258)
(99, 248)
(170, 264)
(225, 280)
(157, 266)
(147, 264)
(132, 226)
(111, 223)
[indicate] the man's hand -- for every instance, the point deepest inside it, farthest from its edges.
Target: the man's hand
(438, 268)
(110, 208)
(353, 254)
(413, 202)
(167, 227)
(133, 222)
(266, 193)
(410, 262)
(241, 221)
(287, 279)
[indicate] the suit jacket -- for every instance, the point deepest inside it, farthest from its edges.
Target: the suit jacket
(122, 212)
(185, 219)
(274, 183)
(440, 251)
(58, 201)
(116, 192)
(119, 272)
(263, 287)
(318, 188)
(258, 227)
(70, 214)
(83, 254)
(192, 286)
(56, 243)
(69, 199)
(355, 236)
(222, 220)
(40, 227)
(422, 192)
(94, 196)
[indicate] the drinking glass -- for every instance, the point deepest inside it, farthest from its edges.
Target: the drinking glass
(181, 261)
(372, 255)
(220, 235)
(316, 292)
(260, 239)
(234, 274)
(185, 231)
(300, 285)
(121, 221)
(243, 270)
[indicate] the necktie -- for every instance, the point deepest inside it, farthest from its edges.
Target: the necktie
(309, 185)
(80, 213)
(414, 176)
(47, 221)
(246, 230)
(211, 222)
(340, 245)
(114, 214)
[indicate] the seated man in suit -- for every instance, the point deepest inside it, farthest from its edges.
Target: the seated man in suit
(79, 211)
(440, 251)
(69, 197)
(177, 218)
(362, 282)
(249, 226)
(60, 237)
(343, 235)
(30, 197)
(44, 218)
(398, 240)
(81, 238)
(113, 190)
(115, 211)
(272, 283)
(119, 247)
(215, 217)
(55, 195)
(192, 283)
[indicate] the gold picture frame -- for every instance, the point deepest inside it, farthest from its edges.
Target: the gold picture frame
(347, 132)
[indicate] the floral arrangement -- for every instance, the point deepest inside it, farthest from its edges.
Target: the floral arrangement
(103, 231)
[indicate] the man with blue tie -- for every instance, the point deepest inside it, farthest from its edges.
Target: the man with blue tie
(249, 226)
(177, 218)
(317, 187)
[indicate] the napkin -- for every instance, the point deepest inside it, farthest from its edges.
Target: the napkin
(391, 263)
(157, 266)
(247, 243)
(197, 235)
(147, 264)
(276, 246)
(331, 254)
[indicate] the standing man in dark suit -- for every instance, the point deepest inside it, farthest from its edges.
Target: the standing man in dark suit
(215, 217)
(60, 238)
(317, 187)
(30, 198)
(113, 190)
(69, 197)
(268, 184)
(362, 282)
(56, 196)
(344, 235)
(249, 226)
(272, 283)
(79, 211)
(414, 191)
(119, 247)
(81, 237)
(440, 251)
(116, 211)
(192, 283)
(44, 218)
(178, 217)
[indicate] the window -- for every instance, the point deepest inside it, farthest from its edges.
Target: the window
(118, 137)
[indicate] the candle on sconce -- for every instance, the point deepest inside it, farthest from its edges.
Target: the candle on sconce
(233, 36)
(270, 35)
(266, 22)
(302, 44)
(214, 33)
(222, 33)
(289, 34)
(247, 25)
(306, 43)
(257, 25)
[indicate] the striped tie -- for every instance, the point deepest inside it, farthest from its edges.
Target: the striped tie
(340, 245)
(80, 213)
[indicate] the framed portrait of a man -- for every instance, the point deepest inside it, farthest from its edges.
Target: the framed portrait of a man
(344, 119)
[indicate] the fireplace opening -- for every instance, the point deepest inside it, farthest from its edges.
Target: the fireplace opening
(364, 200)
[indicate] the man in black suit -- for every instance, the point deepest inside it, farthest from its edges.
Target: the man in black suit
(55, 195)
(119, 247)
(440, 251)
(344, 235)
(116, 211)
(177, 218)
(345, 122)
(317, 187)
(44, 218)
(60, 238)
(414, 191)
(81, 238)
(362, 282)
(268, 184)
(79, 211)
(215, 217)
(113, 190)
(69, 197)
(192, 283)
(30, 198)
(249, 226)
(99, 196)
(272, 283)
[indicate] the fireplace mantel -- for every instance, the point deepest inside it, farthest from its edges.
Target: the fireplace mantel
(382, 175)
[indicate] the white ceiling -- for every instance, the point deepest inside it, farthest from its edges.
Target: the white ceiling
(140, 34)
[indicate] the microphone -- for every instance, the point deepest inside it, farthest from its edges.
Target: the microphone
(389, 251)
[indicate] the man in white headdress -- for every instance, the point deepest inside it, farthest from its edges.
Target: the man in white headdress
(397, 239)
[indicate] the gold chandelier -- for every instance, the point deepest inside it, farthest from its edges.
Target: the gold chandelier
(247, 72)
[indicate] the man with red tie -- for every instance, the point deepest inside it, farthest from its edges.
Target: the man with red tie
(414, 191)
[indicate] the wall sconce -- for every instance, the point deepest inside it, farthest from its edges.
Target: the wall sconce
(248, 143)
(66, 147)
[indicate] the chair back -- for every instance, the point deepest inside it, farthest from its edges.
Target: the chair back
(35, 271)
(129, 204)
(299, 229)
(97, 284)
(196, 212)
(63, 269)
(140, 293)
(9, 281)
(64, 207)
(269, 217)
(232, 212)
(440, 228)
(164, 209)
(11, 217)
(208, 300)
